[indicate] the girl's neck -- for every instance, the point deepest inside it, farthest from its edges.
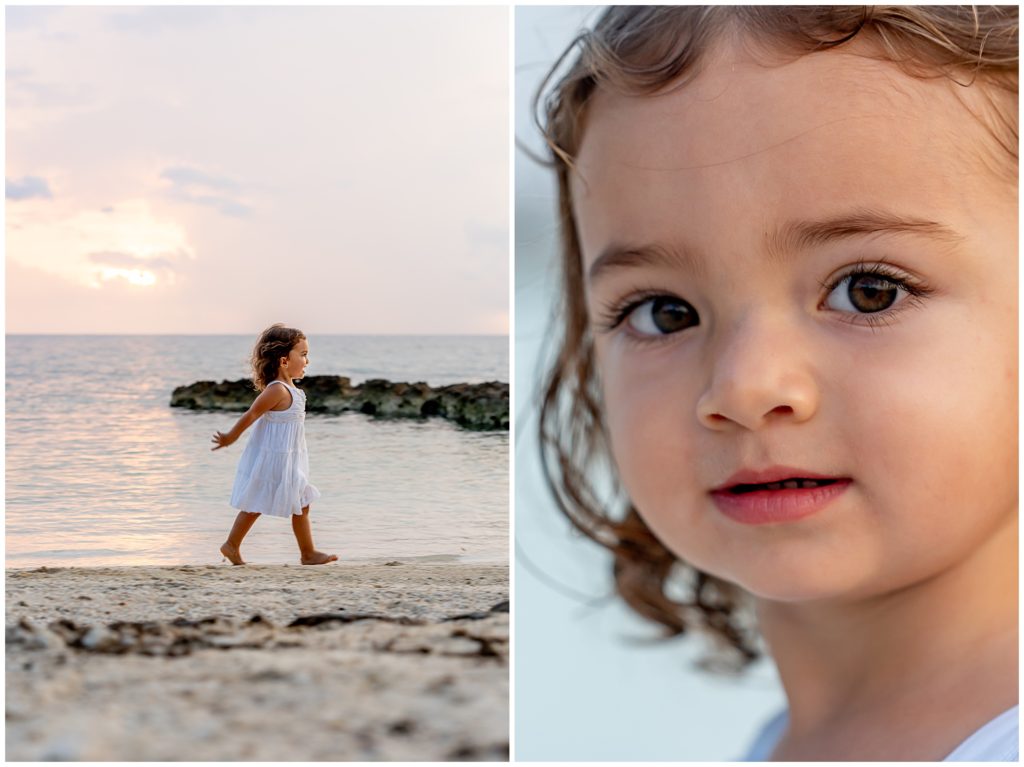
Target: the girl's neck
(283, 377)
(954, 632)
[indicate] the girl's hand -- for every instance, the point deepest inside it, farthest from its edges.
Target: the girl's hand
(222, 440)
(268, 398)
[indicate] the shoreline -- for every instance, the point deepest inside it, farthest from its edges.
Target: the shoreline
(453, 560)
(393, 661)
(280, 592)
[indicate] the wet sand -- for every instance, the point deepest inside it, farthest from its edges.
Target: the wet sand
(398, 661)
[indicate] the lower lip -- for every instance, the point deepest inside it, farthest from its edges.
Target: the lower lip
(764, 507)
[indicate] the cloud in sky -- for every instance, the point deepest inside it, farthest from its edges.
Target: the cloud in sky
(26, 90)
(156, 20)
(138, 270)
(129, 261)
(333, 165)
(28, 16)
(27, 188)
(87, 247)
(131, 307)
(193, 177)
(202, 188)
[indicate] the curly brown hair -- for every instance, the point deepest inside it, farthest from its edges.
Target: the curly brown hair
(640, 50)
(275, 342)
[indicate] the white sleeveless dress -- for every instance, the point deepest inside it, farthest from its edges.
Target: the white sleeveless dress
(273, 472)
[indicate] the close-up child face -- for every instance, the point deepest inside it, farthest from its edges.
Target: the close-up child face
(808, 268)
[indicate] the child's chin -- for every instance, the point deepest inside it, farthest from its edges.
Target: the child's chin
(788, 593)
(792, 586)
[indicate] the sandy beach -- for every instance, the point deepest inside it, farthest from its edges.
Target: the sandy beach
(396, 661)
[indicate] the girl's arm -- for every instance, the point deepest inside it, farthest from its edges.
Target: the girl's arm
(269, 397)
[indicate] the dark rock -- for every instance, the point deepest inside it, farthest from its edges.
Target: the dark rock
(482, 407)
(479, 615)
(321, 618)
(402, 727)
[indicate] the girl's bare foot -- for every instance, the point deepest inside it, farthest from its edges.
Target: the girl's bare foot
(232, 553)
(318, 558)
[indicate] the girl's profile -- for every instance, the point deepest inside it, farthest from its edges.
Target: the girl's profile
(789, 256)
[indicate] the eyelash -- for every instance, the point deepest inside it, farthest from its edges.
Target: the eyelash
(916, 290)
(613, 315)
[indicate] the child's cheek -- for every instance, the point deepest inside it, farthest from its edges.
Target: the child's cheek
(648, 408)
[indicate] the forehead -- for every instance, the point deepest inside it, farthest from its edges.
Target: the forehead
(301, 346)
(757, 144)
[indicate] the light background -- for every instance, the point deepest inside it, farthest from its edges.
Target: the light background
(175, 169)
(586, 689)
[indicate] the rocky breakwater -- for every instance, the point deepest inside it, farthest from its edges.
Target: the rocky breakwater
(482, 407)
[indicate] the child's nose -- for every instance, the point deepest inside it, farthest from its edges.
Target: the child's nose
(761, 373)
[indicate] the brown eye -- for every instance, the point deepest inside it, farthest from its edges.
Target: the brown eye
(662, 315)
(870, 294)
(865, 294)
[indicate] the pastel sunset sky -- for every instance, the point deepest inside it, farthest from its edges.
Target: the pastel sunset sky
(216, 169)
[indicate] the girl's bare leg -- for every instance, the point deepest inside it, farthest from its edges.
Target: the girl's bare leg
(304, 537)
(243, 523)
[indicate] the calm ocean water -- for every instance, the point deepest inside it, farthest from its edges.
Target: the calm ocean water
(101, 471)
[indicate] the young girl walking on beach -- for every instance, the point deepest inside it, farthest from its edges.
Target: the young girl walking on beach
(273, 473)
(790, 291)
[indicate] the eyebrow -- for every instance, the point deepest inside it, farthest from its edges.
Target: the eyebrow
(781, 243)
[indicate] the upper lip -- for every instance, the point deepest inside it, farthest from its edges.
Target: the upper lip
(770, 474)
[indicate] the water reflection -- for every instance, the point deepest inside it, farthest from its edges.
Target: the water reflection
(101, 471)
